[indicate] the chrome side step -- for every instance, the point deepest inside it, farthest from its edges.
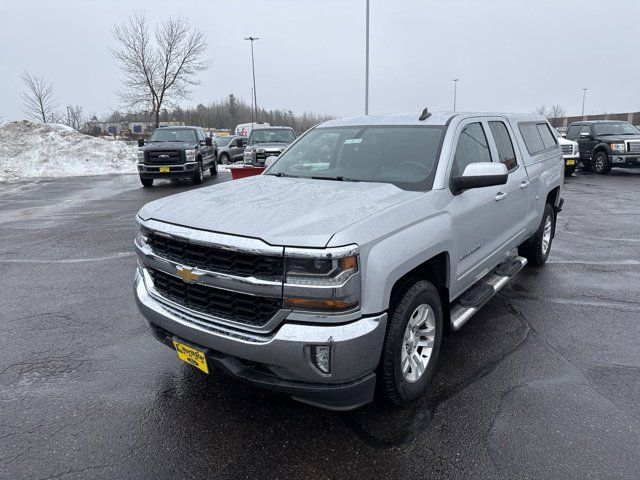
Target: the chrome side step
(473, 299)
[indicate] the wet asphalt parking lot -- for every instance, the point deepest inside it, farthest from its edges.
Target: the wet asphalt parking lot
(544, 382)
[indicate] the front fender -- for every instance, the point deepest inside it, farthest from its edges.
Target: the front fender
(396, 255)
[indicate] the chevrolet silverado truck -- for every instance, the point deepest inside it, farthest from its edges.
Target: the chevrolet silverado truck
(339, 268)
(605, 144)
(264, 142)
(176, 152)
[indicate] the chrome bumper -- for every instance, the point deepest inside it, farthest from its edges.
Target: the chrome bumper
(355, 346)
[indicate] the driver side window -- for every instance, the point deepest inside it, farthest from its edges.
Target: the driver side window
(472, 147)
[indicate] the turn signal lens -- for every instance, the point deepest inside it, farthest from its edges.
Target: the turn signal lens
(320, 305)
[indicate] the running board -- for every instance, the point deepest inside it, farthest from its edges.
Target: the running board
(473, 299)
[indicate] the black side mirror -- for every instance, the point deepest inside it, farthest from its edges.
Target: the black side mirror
(141, 142)
(208, 142)
(586, 135)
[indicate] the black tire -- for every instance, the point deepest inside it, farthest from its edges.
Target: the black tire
(214, 168)
(533, 249)
(568, 171)
(198, 177)
(396, 389)
(146, 182)
(223, 159)
(601, 163)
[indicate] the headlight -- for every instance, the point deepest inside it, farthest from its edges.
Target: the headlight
(141, 235)
(618, 147)
(191, 155)
(140, 156)
(575, 149)
(322, 280)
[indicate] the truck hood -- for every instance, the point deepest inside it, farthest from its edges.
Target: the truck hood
(269, 146)
(280, 211)
(618, 138)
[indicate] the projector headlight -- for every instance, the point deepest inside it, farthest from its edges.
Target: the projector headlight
(618, 147)
(325, 280)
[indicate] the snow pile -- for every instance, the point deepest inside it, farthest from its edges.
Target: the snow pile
(29, 149)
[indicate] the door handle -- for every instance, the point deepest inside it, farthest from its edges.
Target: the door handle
(501, 196)
(524, 184)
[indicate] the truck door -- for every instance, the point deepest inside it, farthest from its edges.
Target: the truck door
(513, 204)
(586, 144)
(475, 213)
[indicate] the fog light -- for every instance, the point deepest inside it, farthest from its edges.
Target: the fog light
(321, 357)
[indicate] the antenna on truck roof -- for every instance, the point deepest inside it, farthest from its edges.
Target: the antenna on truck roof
(425, 115)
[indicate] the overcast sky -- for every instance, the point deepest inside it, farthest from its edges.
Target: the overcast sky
(510, 55)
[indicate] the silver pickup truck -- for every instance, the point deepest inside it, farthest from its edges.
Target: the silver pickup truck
(342, 265)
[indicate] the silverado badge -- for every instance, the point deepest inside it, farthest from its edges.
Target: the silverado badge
(187, 274)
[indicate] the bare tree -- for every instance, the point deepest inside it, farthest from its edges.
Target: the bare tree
(556, 112)
(541, 110)
(74, 118)
(38, 99)
(159, 70)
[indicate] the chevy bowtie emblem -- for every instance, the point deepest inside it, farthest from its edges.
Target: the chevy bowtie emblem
(187, 274)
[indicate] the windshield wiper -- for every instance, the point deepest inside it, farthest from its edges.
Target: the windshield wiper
(281, 174)
(338, 178)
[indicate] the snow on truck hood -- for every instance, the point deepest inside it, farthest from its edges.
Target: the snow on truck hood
(280, 211)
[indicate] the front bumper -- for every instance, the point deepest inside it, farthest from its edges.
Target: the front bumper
(175, 171)
(625, 160)
(281, 360)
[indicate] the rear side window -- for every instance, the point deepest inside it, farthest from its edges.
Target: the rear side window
(573, 131)
(548, 138)
(537, 137)
(472, 147)
(505, 146)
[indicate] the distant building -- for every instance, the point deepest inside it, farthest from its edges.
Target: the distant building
(129, 130)
(631, 117)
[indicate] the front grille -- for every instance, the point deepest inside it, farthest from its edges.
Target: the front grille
(164, 157)
(236, 307)
(216, 259)
(264, 155)
(567, 149)
(634, 147)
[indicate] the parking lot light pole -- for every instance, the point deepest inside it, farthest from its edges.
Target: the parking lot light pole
(584, 94)
(253, 70)
(366, 83)
(455, 92)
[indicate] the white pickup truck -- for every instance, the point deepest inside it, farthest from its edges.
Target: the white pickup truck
(342, 265)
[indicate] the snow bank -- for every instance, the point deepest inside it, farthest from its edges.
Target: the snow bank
(29, 149)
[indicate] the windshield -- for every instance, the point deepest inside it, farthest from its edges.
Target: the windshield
(173, 135)
(622, 128)
(405, 156)
(275, 135)
(223, 141)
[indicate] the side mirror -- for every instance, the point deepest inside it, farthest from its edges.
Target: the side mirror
(141, 142)
(585, 135)
(478, 175)
(208, 142)
(269, 161)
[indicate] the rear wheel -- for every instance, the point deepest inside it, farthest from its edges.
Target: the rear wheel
(536, 249)
(146, 182)
(601, 163)
(198, 177)
(412, 344)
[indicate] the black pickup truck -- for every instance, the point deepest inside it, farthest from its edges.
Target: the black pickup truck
(604, 144)
(176, 152)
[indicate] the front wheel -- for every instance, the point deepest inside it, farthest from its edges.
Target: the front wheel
(412, 344)
(146, 182)
(214, 168)
(568, 171)
(536, 249)
(223, 159)
(601, 163)
(198, 178)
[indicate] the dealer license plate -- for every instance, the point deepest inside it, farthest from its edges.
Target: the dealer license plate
(191, 355)
(571, 162)
(165, 169)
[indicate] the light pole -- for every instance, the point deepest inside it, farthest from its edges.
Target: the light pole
(455, 92)
(253, 69)
(584, 94)
(366, 84)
